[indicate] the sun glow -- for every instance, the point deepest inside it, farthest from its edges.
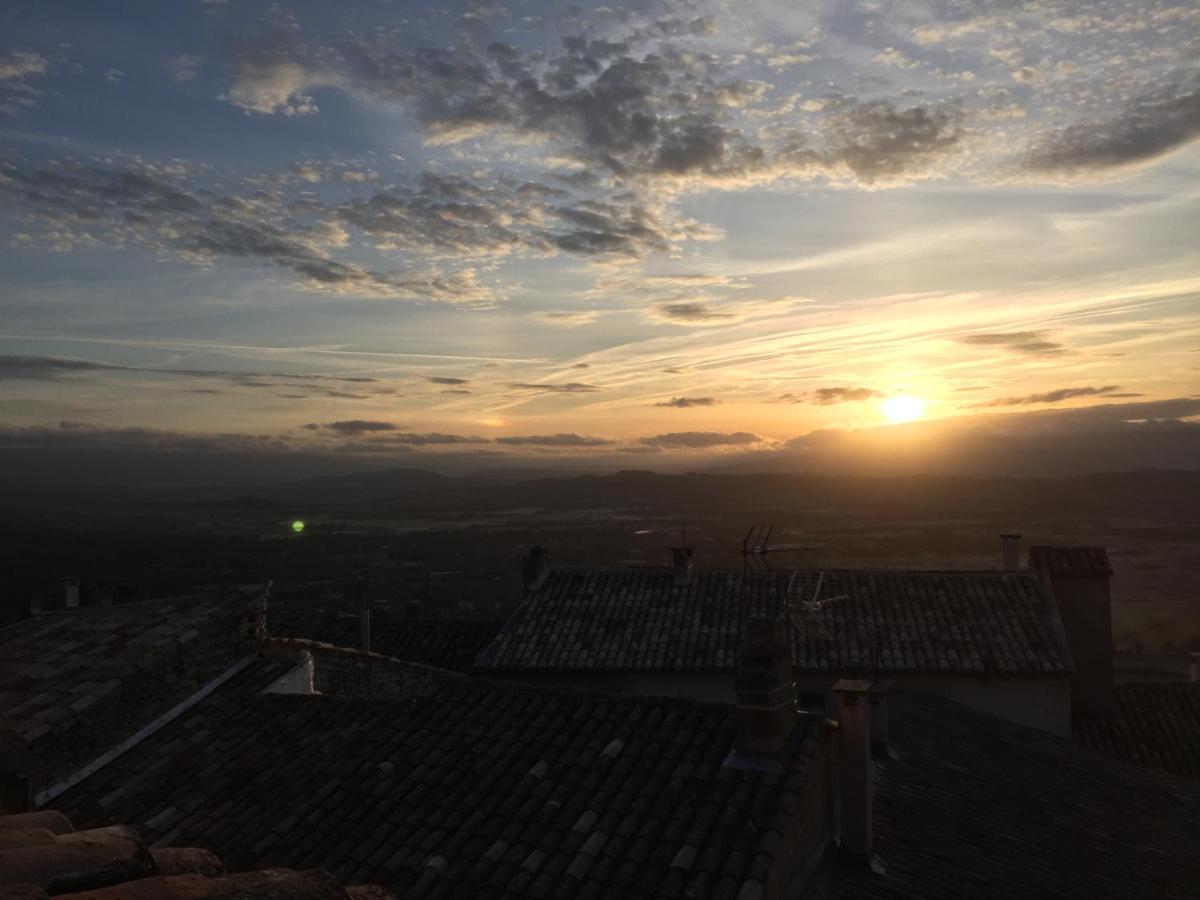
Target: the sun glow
(902, 408)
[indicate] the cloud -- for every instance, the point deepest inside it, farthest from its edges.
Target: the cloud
(1057, 396)
(878, 142)
(1147, 128)
(114, 76)
(434, 438)
(71, 434)
(152, 206)
(1031, 343)
(704, 313)
(831, 395)
(571, 387)
(17, 69)
(696, 440)
(184, 67)
(446, 379)
(48, 368)
(566, 318)
(554, 440)
(359, 426)
(687, 402)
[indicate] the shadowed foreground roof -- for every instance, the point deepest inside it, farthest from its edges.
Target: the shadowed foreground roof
(975, 806)
(74, 683)
(452, 644)
(1155, 725)
(469, 788)
(637, 619)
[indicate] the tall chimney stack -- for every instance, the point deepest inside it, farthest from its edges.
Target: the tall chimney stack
(71, 592)
(1011, 543)
(1080, 579)
(534, 569)
(854, 767)
(765, 697)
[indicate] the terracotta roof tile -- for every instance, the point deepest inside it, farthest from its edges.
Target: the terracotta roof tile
(974, 806)
(460, 811)
(1070, 560)
(612, 619)
(1156, 725)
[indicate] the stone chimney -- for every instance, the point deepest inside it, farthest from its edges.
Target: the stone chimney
(681, 562)
(535, 568)
(854, 768)
(765, 697)
(1080, 578)
(1010, 543)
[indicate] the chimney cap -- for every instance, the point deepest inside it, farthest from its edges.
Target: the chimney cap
(852, 686)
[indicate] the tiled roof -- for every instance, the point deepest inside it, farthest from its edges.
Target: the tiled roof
(41, 854)
(1155, 725)
(974, 806)
(73, 684)
(449, 644)
(1070, 560)
(477, 789)
(636, 619)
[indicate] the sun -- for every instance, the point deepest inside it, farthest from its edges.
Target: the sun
(902, 408)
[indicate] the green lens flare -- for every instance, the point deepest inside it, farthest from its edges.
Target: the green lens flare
(297, 526)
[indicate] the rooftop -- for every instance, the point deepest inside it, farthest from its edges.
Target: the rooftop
(463, 788)
(627, 619)
(974, 806)
(1156, 724)
(75, 683)
(1070, 560)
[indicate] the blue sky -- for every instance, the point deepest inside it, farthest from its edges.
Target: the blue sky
(665, 228)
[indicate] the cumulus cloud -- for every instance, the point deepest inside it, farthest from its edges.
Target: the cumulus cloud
(696, 440)
(184, 67)
(879, 142)
(1030, 343)
(1146, 128)
(1058, 395)
(687, 402)
(554, 440)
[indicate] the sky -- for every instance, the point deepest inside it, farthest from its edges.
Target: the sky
(642, 231)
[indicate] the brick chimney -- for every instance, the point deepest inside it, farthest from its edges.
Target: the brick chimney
(681, 562)
(1080, 578)
(854, 768)
(535, 568)
(765, 697)
(1010, 543)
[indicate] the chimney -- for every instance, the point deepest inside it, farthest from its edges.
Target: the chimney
(536, 566)
(1194, 657)
(1011, 543)
(878, 699)
(1080, 579)
(681, 562)
(765, 697)
(854, 767)
(71, 593)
